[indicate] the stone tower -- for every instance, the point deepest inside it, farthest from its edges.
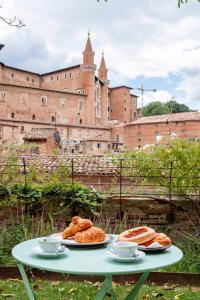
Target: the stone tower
(102, 75)
(88, 69)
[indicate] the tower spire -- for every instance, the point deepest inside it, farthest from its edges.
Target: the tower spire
(102, 69)
(88, 47)
(102, 64)
(88, 53)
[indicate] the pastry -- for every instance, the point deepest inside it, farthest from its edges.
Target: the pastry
(91, 235)
(77, 224)
(160, 238)
(138, 235)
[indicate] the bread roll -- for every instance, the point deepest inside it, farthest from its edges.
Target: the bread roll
(77, 224)
(137, 235)
(91, 235)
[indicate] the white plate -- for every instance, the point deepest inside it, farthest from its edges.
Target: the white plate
(152, 249)
(73, 243)
(118, 258)
(37, 250)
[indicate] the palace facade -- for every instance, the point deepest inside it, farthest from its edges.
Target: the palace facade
(77, 102)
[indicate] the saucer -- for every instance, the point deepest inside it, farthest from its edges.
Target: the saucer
(37, 250)
(155, 247)
(134, 258)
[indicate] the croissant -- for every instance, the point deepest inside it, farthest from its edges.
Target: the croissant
(91, 235)
(163, 239)
(160, 238)
(77, 224)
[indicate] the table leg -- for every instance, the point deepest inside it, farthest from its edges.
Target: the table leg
(106, 288)
(137, 287)
(26, 281)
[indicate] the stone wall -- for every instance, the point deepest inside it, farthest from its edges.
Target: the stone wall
(177, 214)
(180, 214)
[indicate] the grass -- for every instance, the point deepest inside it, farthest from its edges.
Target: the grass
(45, 290)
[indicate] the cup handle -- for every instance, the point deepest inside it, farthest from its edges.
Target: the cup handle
(109, 247)
(61, 248)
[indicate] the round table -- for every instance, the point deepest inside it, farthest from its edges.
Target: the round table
(85, 261)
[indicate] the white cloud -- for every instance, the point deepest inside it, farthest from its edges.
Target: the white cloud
(151, 38)
(160, 95)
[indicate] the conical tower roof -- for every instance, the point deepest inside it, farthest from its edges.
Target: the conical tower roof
(88, 47)
(102, 64)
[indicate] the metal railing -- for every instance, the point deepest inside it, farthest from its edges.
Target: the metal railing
(118, 176)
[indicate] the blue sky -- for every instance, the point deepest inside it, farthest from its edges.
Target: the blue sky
(149, 42)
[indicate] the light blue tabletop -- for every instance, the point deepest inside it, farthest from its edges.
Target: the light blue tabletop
(93, 261)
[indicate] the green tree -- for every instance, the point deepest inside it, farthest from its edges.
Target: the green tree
(155, 108)
(160, 108)
(176, 107)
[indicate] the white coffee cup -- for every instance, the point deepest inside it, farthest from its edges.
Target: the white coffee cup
(49, 244)
(123, 249)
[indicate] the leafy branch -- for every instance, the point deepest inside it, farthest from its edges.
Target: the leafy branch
(180, 2)
(15, 22)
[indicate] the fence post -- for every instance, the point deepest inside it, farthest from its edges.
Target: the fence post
(121, 213)
(72, 176)
(24, 171)
(72, 170)
(26, 210)
(170, 215)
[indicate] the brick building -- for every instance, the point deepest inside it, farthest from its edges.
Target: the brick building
(90, 116)
(156, 129)
(75, 100)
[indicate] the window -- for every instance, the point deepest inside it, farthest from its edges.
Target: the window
(44, 100)
(22, 129)
(157, 133)
(98, 145)
(24, 98)
(32, 80)
(139, 134)
(65, 75)
(27, 78)
(108, 108)
(124, 109)
(117, 137)
(12, 75)
(61, 130)
(80, 105)
(12, 115)
(70, 74)
(51, 77)
(3, 96)
(53, 119)
(1, 132)
(57, 77)
(62, 102)
(135, 114)
(80, 121)
(33, 117)
(109, 147)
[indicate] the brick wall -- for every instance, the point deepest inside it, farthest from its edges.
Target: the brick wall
(154, 213)
(137, 212)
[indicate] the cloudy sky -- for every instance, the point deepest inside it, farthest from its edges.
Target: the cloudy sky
(149, 42)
